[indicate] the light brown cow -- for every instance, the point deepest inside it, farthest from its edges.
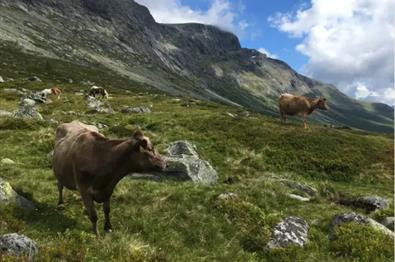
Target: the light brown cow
(299, 105)
(86, 161)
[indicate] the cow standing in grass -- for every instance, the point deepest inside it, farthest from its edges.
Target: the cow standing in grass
(299, 105)
(86, 161)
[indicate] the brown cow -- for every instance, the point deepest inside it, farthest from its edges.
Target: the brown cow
(299, 105)
(86, 161)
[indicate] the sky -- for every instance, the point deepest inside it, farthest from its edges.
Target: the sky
(348, 43)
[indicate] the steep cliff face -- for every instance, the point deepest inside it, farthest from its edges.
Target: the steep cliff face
(193, 60)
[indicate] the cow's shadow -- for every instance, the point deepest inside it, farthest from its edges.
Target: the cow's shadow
(160, 176)
(45, 218)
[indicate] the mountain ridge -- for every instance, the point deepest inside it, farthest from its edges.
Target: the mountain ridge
(194, 60)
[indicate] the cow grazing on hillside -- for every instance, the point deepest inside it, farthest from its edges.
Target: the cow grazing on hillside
(55, 91)
(299, 105)
(86, 161)
(96, 91)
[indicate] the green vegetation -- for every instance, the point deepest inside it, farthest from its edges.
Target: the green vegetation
(182, 221)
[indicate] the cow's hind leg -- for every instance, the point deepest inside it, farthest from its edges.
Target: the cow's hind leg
(106, 210)
(90, 208)
(60, 201)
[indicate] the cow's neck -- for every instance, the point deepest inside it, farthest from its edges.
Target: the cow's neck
(313, 106)
(122, 166)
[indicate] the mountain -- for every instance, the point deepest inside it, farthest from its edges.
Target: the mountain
(192, 60)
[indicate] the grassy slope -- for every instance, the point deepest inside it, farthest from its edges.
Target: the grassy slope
(180, 221)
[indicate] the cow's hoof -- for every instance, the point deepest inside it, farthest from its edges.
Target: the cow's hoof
(108, 231)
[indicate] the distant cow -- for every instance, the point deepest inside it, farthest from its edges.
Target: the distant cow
(97, 91)
(299, 105)
(55, 91)
(86, 161)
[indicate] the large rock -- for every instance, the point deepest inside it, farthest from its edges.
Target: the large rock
(196, 169)
(139, 109)
(290, 231)
(98, 106)
(9, 196)
(340, 219)
(18, 245)
(370, 203)
(183, 163)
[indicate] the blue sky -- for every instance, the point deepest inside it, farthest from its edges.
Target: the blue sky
(348, 43)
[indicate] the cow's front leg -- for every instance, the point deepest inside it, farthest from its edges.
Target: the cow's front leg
(106, 210)
(60, 201)
(90, 209)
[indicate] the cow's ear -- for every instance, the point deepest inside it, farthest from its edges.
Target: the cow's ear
(138, 133)
(144, 143)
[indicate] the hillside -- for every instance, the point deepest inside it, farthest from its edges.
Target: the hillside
(182, 221)
(191, 60)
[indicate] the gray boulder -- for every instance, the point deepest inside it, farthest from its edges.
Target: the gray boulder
(9, 196)
(18, 245)
(196, 169)
(371, 203)
(290, 231)
(139, 109)
(4, 113)
(340, 219)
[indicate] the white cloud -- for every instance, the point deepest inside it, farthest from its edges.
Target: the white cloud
(267, 53)
(349, 43)
(221, 13)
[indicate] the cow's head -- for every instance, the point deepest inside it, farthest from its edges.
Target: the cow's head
(321, 104)
(146, 156)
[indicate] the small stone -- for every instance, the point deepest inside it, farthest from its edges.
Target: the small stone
(34, 79)
(299, 198)
(231, 115)
(1, 80)
(18, 245)
(388, 222)
(228, 196)
(139, 109)
(4, 113)
(290, 231)
(7, 161)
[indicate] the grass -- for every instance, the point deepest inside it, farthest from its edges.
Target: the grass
(182, 221)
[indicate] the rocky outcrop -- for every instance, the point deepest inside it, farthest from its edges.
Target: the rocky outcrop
(18, 245)
(341, 219)
(369, 203)
(27, 109)
(9, 196)
(98, 106)
(290, 231)
(139, 109)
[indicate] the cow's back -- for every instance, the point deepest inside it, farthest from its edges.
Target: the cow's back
(66, 135)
